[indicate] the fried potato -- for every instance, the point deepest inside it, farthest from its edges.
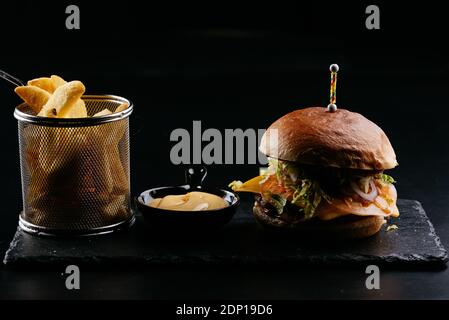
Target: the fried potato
(43, 83)
(103, 112)
(54, 97)
(122, 107)
(57, 81)
(63, 100)
(48, 84)
(101, 175)
(60, 147)
(35, 97)
(78, 111)
(115, 208)
(118, 170)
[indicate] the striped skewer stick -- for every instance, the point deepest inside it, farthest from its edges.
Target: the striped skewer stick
(332, 107)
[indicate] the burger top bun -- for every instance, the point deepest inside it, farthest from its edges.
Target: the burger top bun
(342, 139)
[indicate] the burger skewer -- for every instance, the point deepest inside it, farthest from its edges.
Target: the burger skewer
(332, 107)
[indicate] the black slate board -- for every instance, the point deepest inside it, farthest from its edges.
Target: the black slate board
(242, 241)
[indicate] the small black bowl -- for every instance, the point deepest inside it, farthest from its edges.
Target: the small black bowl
(187, 220)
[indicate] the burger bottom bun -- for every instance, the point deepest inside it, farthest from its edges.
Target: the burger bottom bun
(347, 227)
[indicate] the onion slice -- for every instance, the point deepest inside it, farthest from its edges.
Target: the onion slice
(370, 196)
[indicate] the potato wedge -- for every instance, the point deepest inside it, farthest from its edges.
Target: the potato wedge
(34, 96)
(43, 83)
(78, 111)
(63, 100)
(48, 84)
(115, 208)
(103, 112)
(118, 170)
(57, 81)
(122, 107)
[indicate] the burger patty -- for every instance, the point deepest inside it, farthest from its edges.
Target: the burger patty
(291, 213)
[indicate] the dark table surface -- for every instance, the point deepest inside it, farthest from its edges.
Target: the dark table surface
(244, 78)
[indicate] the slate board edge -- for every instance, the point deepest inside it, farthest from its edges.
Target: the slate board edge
(444, 255)
(7, 258)
(338, 259)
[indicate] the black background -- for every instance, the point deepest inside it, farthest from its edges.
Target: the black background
(235, 66)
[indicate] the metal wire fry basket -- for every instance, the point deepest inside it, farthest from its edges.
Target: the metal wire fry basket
(75, 172)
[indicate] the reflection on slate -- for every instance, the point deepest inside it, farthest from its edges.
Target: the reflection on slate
(242, 241)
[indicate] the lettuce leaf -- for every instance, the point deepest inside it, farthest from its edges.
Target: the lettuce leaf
(386, 178)
(308, 196)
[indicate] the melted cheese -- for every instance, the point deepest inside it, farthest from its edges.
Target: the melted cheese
(252, 185)
(380, 206)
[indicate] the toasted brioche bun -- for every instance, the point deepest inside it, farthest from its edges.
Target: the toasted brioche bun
(347, 227)
(341, 139)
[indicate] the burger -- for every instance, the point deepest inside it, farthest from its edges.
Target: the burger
(325, 176)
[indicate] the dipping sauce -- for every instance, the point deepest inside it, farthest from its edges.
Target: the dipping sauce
(192, 201)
